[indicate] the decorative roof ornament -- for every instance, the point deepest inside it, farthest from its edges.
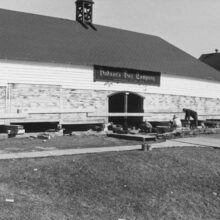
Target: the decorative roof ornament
(84, 12)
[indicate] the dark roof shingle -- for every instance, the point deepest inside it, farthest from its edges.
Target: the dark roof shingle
(212, 59)
(38, 38)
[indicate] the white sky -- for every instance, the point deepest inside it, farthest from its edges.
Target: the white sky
(192, 25)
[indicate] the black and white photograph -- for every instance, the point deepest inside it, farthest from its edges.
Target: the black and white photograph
(109, 110)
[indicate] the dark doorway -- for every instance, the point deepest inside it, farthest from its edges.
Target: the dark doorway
(126, 102)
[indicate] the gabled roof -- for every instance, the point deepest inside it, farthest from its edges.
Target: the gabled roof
(30, 37)
(212, 59)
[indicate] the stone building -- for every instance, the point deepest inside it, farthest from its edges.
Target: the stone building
(77, 72)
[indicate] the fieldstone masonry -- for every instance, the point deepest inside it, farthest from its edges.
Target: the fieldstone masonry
(39, 100)
(2, 99)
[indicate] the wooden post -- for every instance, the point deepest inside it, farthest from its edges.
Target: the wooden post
(126, 109)
(61, 106)
(145, 146)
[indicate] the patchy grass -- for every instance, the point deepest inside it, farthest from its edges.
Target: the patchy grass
(63, 142)
(81, 140)
(178, 183)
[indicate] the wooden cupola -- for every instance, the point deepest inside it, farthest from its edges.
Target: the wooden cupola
(84, 9)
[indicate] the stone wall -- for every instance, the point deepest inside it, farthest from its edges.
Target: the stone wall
(2, 99)
(84, 101)
(2, 102)
(45, 103)
(164, 106)
(30, 98)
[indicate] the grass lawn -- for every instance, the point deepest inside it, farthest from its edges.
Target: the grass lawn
(81, 140)
(62, 142)
(177, 183)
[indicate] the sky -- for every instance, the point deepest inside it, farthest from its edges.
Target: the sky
(191, 25)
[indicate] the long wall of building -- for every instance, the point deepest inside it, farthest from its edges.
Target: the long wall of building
(82, 78)
(32, 92)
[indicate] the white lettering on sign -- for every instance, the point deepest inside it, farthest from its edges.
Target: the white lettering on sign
(128, 75)
(120, 75)
(145, 78)
(111, 74)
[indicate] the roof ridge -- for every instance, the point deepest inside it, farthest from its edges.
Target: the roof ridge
(66, 19)
(50, 39)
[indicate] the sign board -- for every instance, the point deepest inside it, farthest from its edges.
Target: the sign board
(119, 75)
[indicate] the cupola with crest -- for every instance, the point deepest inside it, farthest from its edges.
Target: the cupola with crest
(84, 9)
